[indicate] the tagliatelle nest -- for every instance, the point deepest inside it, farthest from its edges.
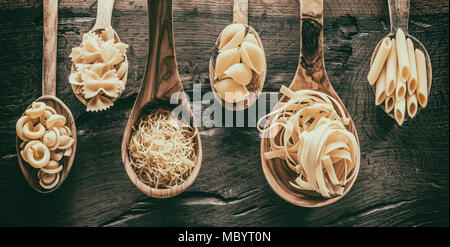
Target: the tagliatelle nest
(162, 150)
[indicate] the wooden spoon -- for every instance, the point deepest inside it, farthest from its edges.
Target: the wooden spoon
(310, 74)
(399, 17)
(102, 22)
(161, 81)
(49, 98)
(240, 15)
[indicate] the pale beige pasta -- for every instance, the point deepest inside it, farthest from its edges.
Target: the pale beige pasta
(400, 89)
(225, 59)
(253, 56)
(46, 140)
(389, 103)
(402, 55)
(240, 73)
(378, 62)
(422, 89)
(391, 69)
(251, 38)
(309, 133)
(411, 104)
(231, 91)
(399, 110)
(412, 80)
(232, 36)
(380, 93)
(102, 55)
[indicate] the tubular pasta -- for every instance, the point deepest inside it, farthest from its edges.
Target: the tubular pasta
(391, 69)
(379, 60)
(422, 89)
(411, 103)
(380, 93)
(389, 103)
(309, 133)
(402, 55)
(412, 80)
(399, 108)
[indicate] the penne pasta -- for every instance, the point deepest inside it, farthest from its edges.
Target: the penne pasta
(400, 89)
(389, 103)
(400, 105)
(391, 70)
(380, 94)
(402, 55)
(411, 103)
(379, 61)
(412, 81)
(422, 86)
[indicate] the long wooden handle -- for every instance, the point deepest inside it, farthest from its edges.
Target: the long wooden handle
(161, 77)
(104, 13)
(399, 15)
(240, 11)
(311, 66)
(50, 47)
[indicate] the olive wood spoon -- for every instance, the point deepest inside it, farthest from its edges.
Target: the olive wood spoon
(49, 98)
(399, 18)
(102, 22)
(161, 81)
(311, 75)
(240, 15)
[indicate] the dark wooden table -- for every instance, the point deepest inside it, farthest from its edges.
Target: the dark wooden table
(404, 173)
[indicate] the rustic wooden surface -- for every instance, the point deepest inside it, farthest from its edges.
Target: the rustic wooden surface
(403, 179)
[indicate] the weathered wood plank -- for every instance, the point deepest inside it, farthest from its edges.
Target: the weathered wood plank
(404, 170)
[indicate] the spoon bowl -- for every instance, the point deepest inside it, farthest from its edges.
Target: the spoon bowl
(240, 15)
(29, 172)
(399, 17)
(161, 83)
(311, 75)
(49, 98)
(103, 21)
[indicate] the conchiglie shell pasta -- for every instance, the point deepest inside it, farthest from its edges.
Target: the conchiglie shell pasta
(240, 73)
(231, 91)
(225, 59)
(251, 38)
(232, 36)
(253, 56)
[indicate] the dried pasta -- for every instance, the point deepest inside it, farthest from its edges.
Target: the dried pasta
(422, 89)
(240, 58)
(406, 81)
(379, 60)
(309, 133)
(162, 150)
(100, 69)
(46, 139)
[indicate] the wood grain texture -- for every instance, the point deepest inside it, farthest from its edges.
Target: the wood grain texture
(403, 180)
(50, 47)
(161, 81)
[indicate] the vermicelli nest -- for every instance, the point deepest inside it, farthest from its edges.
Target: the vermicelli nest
(162, 150)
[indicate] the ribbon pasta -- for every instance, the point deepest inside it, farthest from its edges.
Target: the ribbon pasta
(46, 140)
(309, 133)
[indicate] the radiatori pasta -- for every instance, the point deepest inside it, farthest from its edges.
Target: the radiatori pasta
(406, 85)
(46, 140)
(240, 56)
(309, 133)
(100, 69)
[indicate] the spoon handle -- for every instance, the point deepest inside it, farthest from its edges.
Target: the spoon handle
(161, 77)
(50, 45)
(240, 11)
(399, 15)
(104, 13)
(311, 70)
